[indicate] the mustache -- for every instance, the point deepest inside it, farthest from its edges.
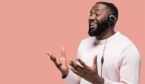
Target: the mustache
(101, 27)
(91, 21)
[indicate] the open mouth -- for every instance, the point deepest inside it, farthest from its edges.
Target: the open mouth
(92, 25)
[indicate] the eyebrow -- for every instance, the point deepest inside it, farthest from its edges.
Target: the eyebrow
(98, 11)
(90, 11)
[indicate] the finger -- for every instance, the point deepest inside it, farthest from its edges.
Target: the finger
(63, 60)
(57, 63)
(76, 67)
(75, 71)
(82, 63)
(55, 60)
(78, 73)
(72, 64)
(51, 57)
(95, 61)
(48, 54)
(63, 52)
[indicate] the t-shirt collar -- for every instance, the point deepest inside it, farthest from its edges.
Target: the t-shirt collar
(108, 39)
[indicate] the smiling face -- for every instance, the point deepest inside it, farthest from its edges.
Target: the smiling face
(98, 21)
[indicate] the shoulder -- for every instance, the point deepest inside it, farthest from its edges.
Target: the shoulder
(130, 50)
(124, 41)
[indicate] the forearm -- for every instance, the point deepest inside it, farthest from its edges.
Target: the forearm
(72, 78)
(100, 81)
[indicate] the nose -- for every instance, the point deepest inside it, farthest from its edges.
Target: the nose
(92, 18)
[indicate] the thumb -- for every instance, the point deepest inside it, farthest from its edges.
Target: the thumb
(95, 61)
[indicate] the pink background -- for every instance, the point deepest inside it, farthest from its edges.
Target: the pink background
(30, 28)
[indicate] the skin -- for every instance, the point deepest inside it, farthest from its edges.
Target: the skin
(60, 62)
(98, 13)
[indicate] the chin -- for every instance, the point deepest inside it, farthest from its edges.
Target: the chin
(92, 31)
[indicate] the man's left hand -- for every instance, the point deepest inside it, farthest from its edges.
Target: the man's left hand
(86, 72)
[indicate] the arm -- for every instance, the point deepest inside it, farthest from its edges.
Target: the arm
(72, 78)
(61, 64)
(129, 67)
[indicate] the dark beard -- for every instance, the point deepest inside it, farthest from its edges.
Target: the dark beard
(99, 30)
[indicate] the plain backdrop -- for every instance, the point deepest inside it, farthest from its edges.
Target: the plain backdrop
(31, 28)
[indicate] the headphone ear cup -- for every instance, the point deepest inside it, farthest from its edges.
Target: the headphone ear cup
(112, 18)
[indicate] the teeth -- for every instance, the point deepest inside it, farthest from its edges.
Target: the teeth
(92, 24)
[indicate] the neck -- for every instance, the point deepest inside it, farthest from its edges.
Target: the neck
(106, 34)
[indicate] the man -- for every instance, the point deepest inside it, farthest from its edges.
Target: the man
(106, 57)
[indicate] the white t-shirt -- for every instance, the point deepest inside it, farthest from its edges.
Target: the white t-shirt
(121, 60)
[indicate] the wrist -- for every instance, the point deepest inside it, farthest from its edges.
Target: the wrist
(98, 81)
(64, 74)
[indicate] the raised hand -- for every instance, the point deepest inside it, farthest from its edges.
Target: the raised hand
(86, 72)
(60, 62)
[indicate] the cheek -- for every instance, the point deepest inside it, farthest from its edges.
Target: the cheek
(102, 18)
(99, 20)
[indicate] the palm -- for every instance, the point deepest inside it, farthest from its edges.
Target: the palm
(61, 62)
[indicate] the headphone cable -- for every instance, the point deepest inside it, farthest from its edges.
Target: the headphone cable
(102, 59)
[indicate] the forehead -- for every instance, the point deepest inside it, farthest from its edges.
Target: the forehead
(99, 7)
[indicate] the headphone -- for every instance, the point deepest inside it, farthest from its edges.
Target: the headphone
(111, 19)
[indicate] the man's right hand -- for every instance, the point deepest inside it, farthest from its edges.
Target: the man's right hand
(60, 63)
